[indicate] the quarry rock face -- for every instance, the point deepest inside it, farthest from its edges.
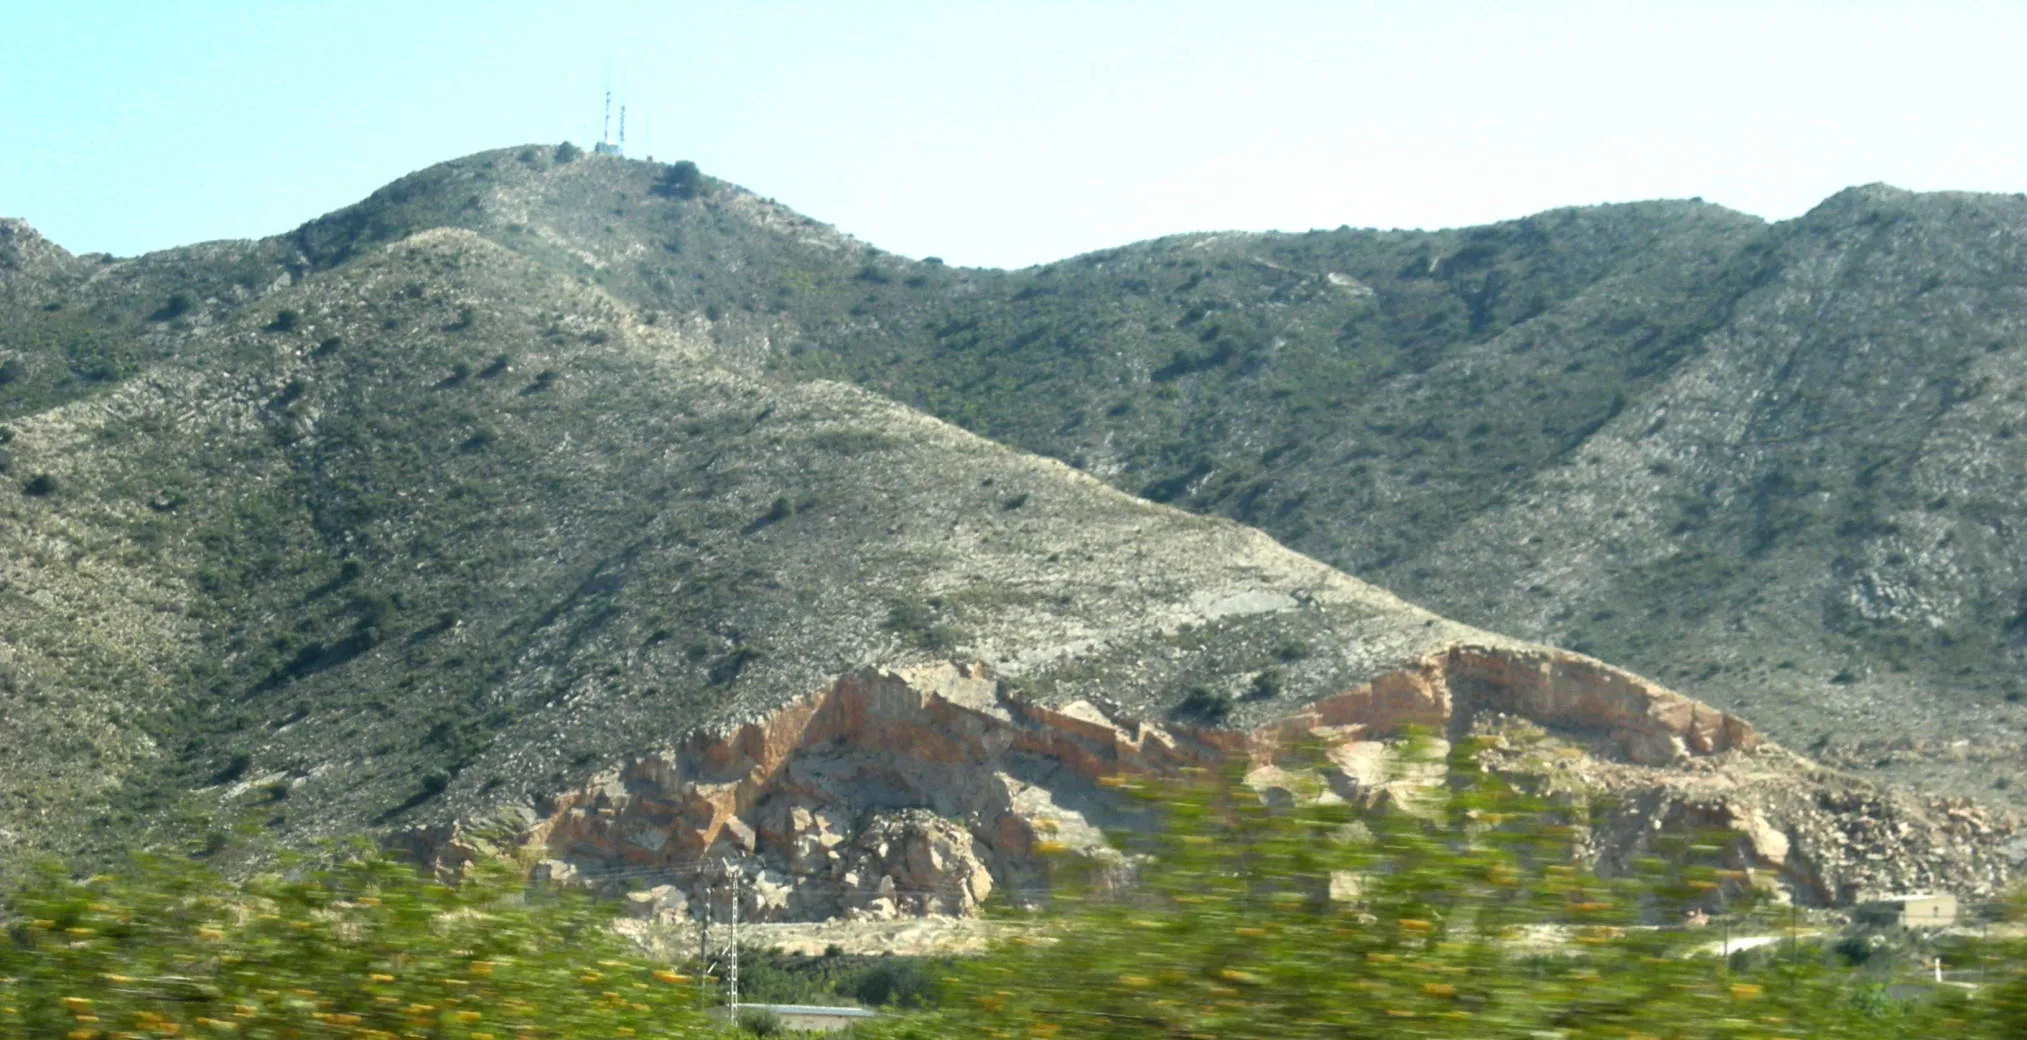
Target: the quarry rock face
(922, 791)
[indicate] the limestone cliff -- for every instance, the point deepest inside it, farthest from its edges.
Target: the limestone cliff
(925, 790)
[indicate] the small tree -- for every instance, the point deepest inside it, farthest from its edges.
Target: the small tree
(567, 152)
(681, 180)
(176, 306)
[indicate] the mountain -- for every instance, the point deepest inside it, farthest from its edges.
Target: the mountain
(495, 512)
(441, 525)
(1772, 464)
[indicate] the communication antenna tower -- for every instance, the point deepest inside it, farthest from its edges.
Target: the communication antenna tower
(606, 145)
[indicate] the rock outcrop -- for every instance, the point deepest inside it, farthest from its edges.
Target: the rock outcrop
(924, 791)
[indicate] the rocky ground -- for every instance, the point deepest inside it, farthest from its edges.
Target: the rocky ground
(896, 795)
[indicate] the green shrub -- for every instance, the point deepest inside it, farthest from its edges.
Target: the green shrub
(920, 626)
(567, 152)
(760, 1022)
(1205, 705)
(1266, 685)
(41, 485)
(907, 982)
(285, 320)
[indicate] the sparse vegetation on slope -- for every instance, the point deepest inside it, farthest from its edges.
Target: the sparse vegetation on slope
(463, 532)
(1664, 433)
(413, 521)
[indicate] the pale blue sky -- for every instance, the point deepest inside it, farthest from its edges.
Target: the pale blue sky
(1008, 133)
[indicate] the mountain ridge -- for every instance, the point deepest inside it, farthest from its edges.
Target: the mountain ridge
(376, 524)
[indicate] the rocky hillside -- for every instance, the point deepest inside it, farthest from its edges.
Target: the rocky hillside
(441, 528)
(1771, 464)
(479, 515)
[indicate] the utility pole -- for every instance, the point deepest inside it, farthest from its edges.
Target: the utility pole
(732, 976)
(704, 951)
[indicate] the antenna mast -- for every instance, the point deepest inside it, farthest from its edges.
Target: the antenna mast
(605, 145)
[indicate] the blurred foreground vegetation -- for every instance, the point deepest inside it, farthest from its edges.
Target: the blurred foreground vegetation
(368, 950)
(1459, 916)
(1455, 913)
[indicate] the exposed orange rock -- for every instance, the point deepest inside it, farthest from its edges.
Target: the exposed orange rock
(803, 803)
